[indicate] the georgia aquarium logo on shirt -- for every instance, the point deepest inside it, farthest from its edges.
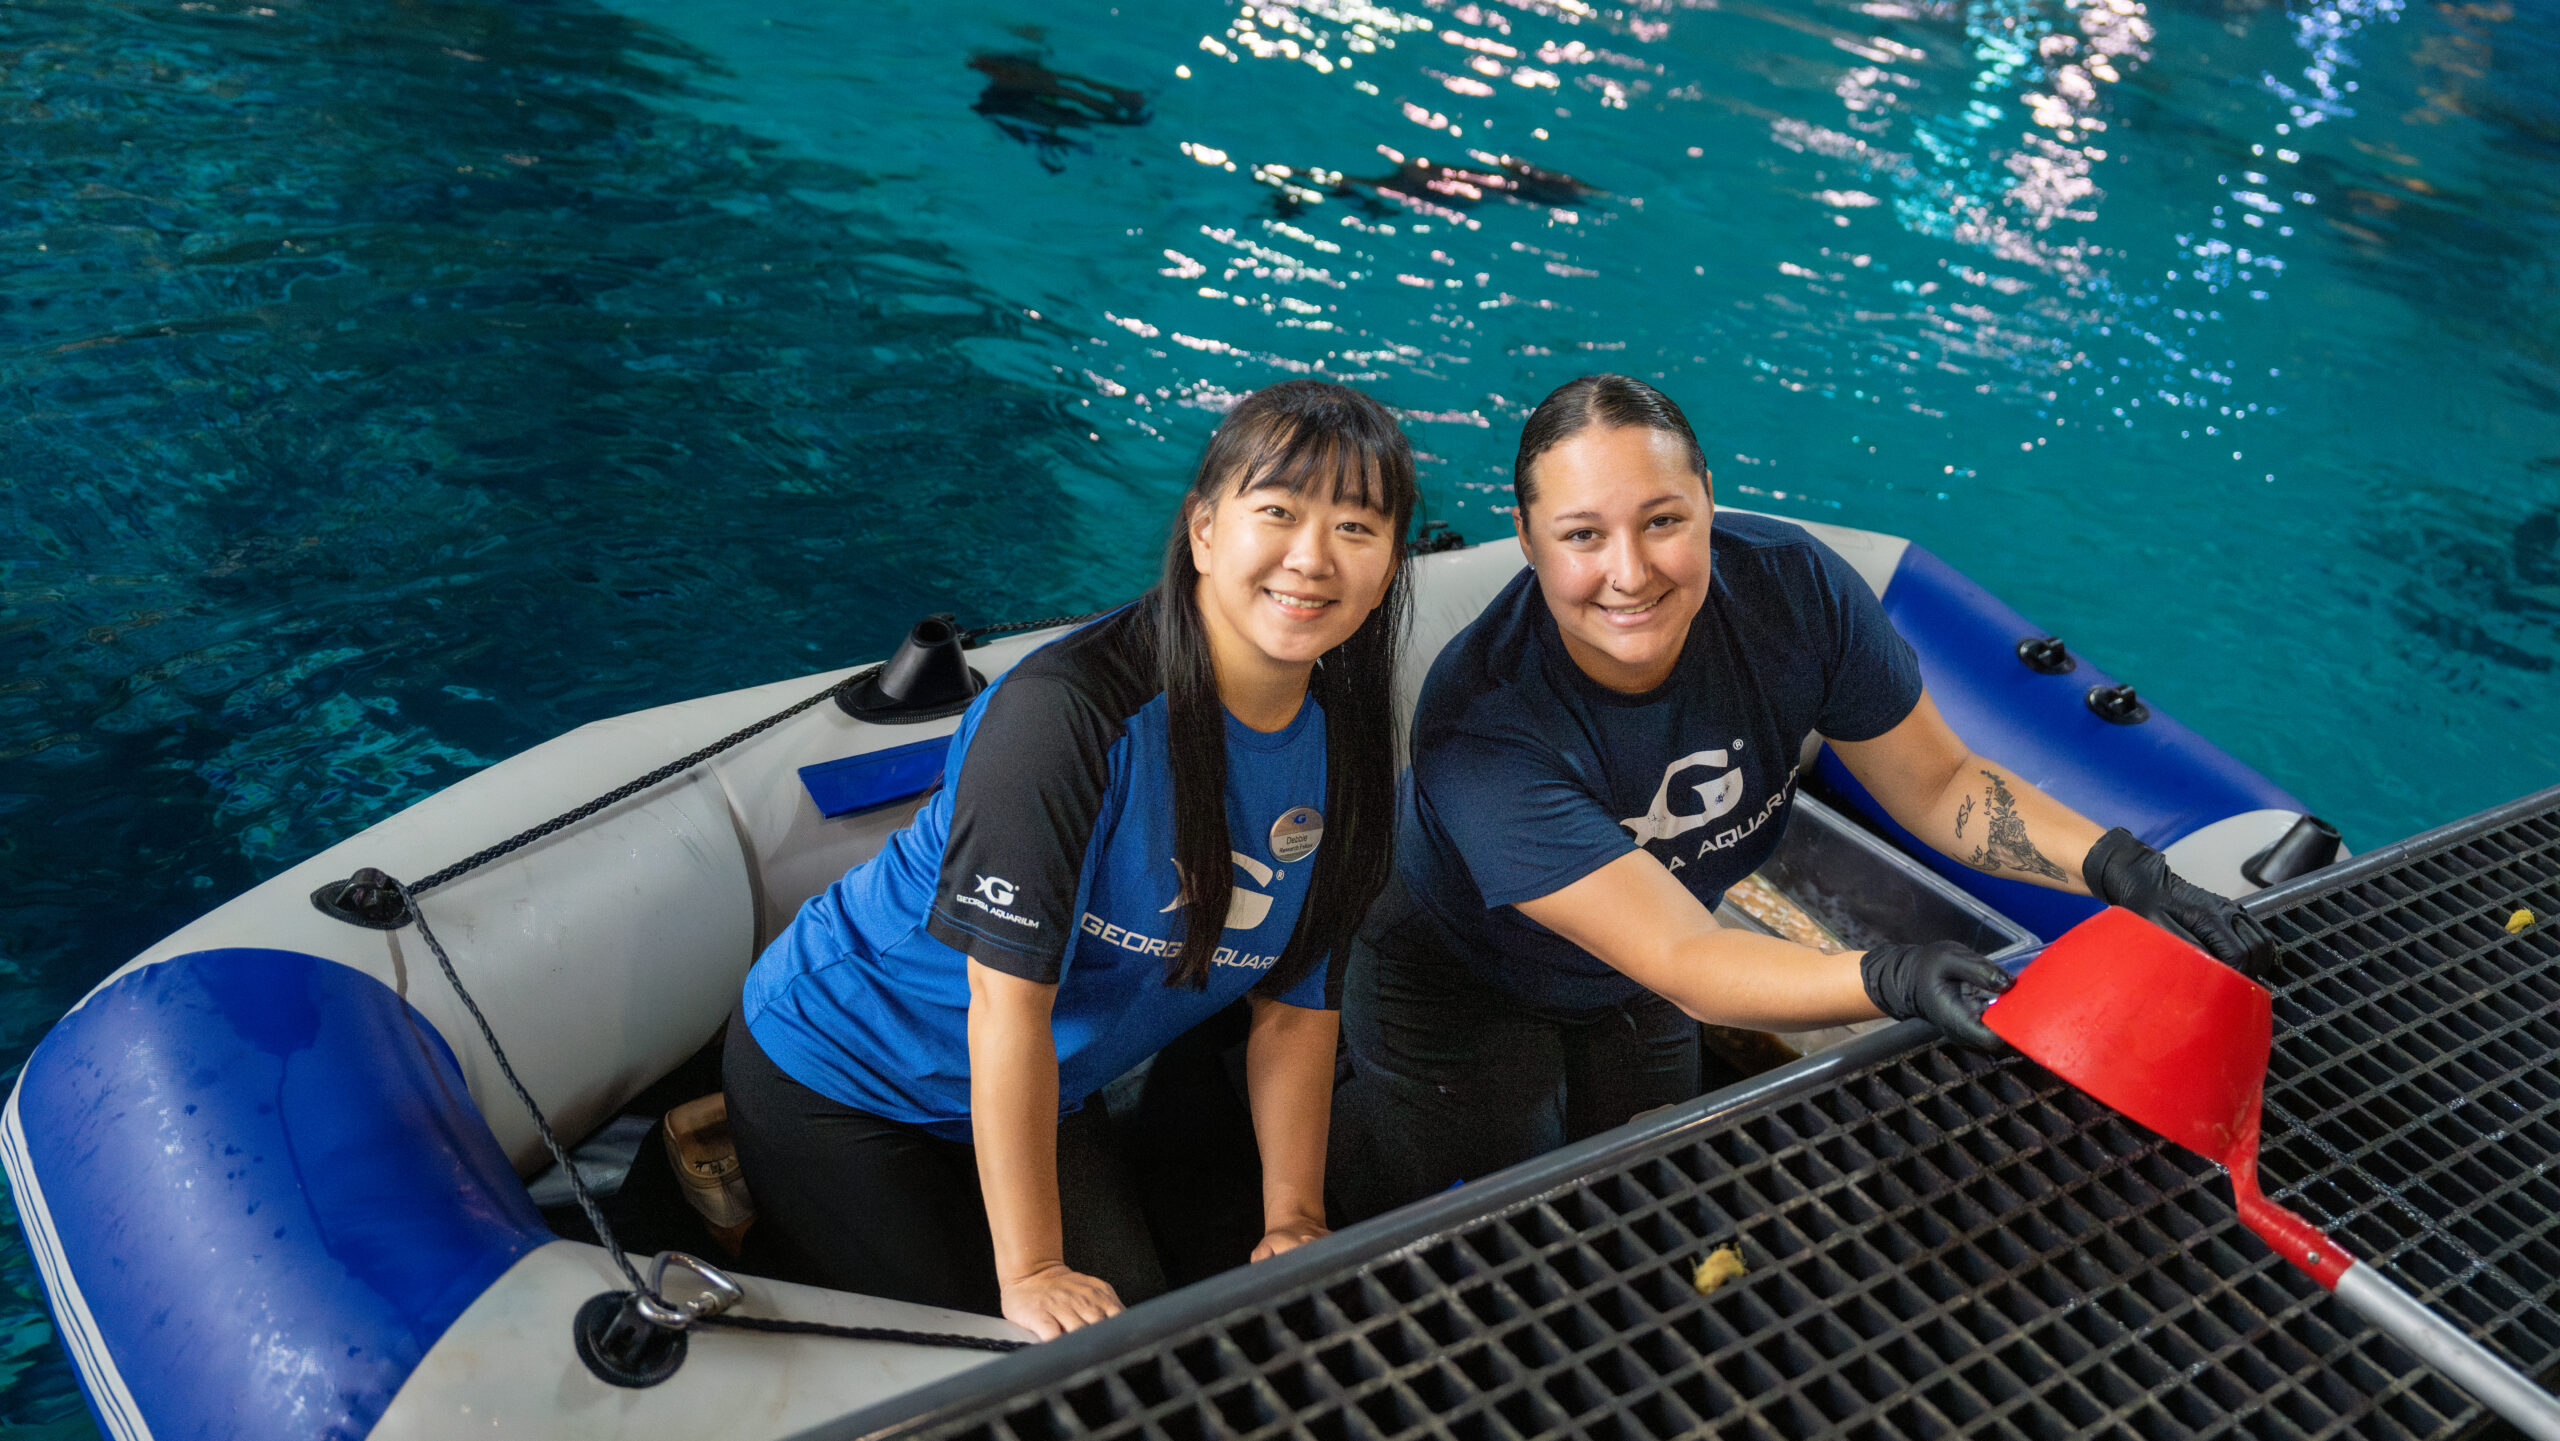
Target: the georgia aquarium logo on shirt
(1719, 794)
(993, 894)
(1246, 910)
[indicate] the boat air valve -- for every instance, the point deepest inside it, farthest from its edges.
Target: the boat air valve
(368, 898)
(2306, 846)
(2118, 704)
(636, 1338)
(2047, 655)
(926, 680)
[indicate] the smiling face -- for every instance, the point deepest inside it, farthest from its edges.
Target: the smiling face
(1285, 578)
(1618, 534)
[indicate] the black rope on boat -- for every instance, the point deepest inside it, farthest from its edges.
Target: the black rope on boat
(656, 1367)
(866, 1333)
(365, 898)
(629, 789)
(970, 638)
(633, 1338)
(541, 1123)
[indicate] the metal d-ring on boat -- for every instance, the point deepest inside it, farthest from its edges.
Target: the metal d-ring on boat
(271, 1172)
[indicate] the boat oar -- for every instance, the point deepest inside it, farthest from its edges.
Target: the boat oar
(2177, 1041)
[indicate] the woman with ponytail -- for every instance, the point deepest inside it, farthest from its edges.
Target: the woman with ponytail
(1188, 801)
(1605, 750)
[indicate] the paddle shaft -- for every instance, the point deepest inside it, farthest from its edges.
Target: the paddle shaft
(2465, 1362)
(2393, 1312)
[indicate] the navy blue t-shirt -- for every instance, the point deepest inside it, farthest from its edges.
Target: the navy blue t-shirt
(1047, 854)
(1528, 775)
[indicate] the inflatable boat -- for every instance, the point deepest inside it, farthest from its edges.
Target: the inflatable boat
(273, 1175)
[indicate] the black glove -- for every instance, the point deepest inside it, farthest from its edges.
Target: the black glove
(2122, 871)
(1941, 982)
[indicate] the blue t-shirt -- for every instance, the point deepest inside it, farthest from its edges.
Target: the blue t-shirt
(1528, 775)
(1047, 854)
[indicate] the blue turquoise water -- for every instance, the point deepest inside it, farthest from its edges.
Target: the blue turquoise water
(385, 387)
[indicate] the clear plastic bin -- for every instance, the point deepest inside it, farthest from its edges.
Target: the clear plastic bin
(1867, 893)
(1863, 892)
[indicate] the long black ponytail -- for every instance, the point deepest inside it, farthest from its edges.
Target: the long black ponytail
(1297, 435)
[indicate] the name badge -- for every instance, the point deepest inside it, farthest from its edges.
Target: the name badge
(1295, 836)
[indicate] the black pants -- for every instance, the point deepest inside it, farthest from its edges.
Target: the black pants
(1454, 1078)
(850, 1200)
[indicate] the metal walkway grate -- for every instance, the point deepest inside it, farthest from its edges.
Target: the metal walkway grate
(1937, 1245)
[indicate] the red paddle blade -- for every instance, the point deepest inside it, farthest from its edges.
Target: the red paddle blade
(2175, 1040)
(2150, 1025)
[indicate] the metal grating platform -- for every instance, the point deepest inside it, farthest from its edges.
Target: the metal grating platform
(1937, 1245)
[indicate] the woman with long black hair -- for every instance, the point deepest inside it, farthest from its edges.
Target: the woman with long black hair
(1188, 801)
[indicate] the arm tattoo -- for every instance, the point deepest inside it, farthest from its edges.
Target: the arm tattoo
(2005, 844)
(1963, 813)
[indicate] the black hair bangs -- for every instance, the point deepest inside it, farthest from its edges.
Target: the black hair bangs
(1347, 474)
(1374, 473)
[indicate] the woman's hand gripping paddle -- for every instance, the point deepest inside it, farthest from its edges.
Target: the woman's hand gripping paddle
(2178, 1041)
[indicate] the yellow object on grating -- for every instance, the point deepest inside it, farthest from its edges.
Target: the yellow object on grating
(1723, 1264)
(2517, 922)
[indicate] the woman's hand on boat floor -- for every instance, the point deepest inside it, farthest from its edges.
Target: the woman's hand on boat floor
(1052, 1301)
(1288, 1236)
